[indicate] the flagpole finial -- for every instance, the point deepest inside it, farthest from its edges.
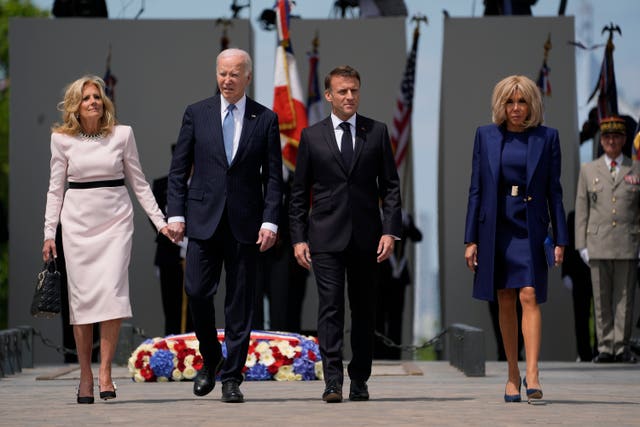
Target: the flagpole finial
(418, 18)
(611, 28)
(224, 39)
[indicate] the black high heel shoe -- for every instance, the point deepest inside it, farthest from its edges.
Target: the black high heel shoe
(83, 399)
(511, 398)
(532, 393)
(108, 394)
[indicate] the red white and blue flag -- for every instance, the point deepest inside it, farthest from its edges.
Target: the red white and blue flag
(287, 99)
(401, 130)
(543, 79)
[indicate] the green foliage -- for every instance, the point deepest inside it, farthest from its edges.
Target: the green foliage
(428, 353)
(8, 9)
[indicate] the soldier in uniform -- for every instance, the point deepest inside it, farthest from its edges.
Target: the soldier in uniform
(607, 235)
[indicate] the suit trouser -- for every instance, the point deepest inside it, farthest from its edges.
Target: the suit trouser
(613, 295)
(204, 265)
(362, 274)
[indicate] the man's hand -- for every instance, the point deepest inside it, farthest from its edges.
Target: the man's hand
(266, 239)
(176, 231)
(385, 247)
(302, 254)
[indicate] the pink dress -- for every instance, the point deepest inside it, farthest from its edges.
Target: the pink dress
(97, 223)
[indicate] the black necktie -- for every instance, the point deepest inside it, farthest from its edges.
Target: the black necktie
(346, 145)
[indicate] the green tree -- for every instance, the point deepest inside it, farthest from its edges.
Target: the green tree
(8, 9)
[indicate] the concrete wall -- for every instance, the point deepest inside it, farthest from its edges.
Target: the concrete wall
(477, 54)
(161, 67)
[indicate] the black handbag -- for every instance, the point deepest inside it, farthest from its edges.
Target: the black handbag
(46, 299)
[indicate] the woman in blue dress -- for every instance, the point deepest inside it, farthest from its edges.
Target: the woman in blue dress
(515, 193)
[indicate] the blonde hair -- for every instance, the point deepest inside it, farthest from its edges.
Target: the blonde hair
(530, 92)
(70, 105)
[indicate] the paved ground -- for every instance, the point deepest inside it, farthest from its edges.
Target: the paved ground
(575, 394)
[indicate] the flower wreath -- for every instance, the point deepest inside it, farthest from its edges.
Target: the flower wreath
(276, 356)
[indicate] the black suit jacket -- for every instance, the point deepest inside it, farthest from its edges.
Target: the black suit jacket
(250, 187)
(344, 203)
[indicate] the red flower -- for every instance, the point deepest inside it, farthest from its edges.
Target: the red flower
(179, 345)
(161, 345)
(276, 353)
(185, 352)
(311, 355)
(197, 362)
(147, 373)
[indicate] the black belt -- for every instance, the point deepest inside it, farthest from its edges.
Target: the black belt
(96, 184)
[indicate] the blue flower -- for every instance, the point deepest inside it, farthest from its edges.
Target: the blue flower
(304, 367)
(258, 372)
(161, 363)
(306, 345)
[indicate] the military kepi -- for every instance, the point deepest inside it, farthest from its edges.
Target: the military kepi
(613, 125)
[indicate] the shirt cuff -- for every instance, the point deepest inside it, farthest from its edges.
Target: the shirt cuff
(269, 226)
(175, 219)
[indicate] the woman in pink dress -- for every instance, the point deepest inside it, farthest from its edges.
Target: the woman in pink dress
(94, 156)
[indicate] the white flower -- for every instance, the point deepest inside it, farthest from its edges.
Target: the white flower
(267, 358)
(251, 360)
(318, 369)
(189, 372)
(138, 378)
(188, 360)
(284, 373)
(287, 351)
(262, 347)
(176, 375)
(162, 379)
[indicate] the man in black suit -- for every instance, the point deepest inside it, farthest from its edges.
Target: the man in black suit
(344, 171)
(229, 211)
(170, 268)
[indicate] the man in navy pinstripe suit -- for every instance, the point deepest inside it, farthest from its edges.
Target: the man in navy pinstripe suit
(229, 211)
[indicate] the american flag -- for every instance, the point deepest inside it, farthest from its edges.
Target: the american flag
(401, 131)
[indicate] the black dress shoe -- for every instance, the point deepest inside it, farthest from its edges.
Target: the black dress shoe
(205, 380)
(108, 394)
(231, 392)
(626, 357)
(358, 391)
(332, 392)
(83, 399)
(603, 358)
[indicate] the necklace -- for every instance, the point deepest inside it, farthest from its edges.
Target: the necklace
(92, 136)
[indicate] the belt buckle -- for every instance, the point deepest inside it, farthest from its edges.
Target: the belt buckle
(514, 190)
